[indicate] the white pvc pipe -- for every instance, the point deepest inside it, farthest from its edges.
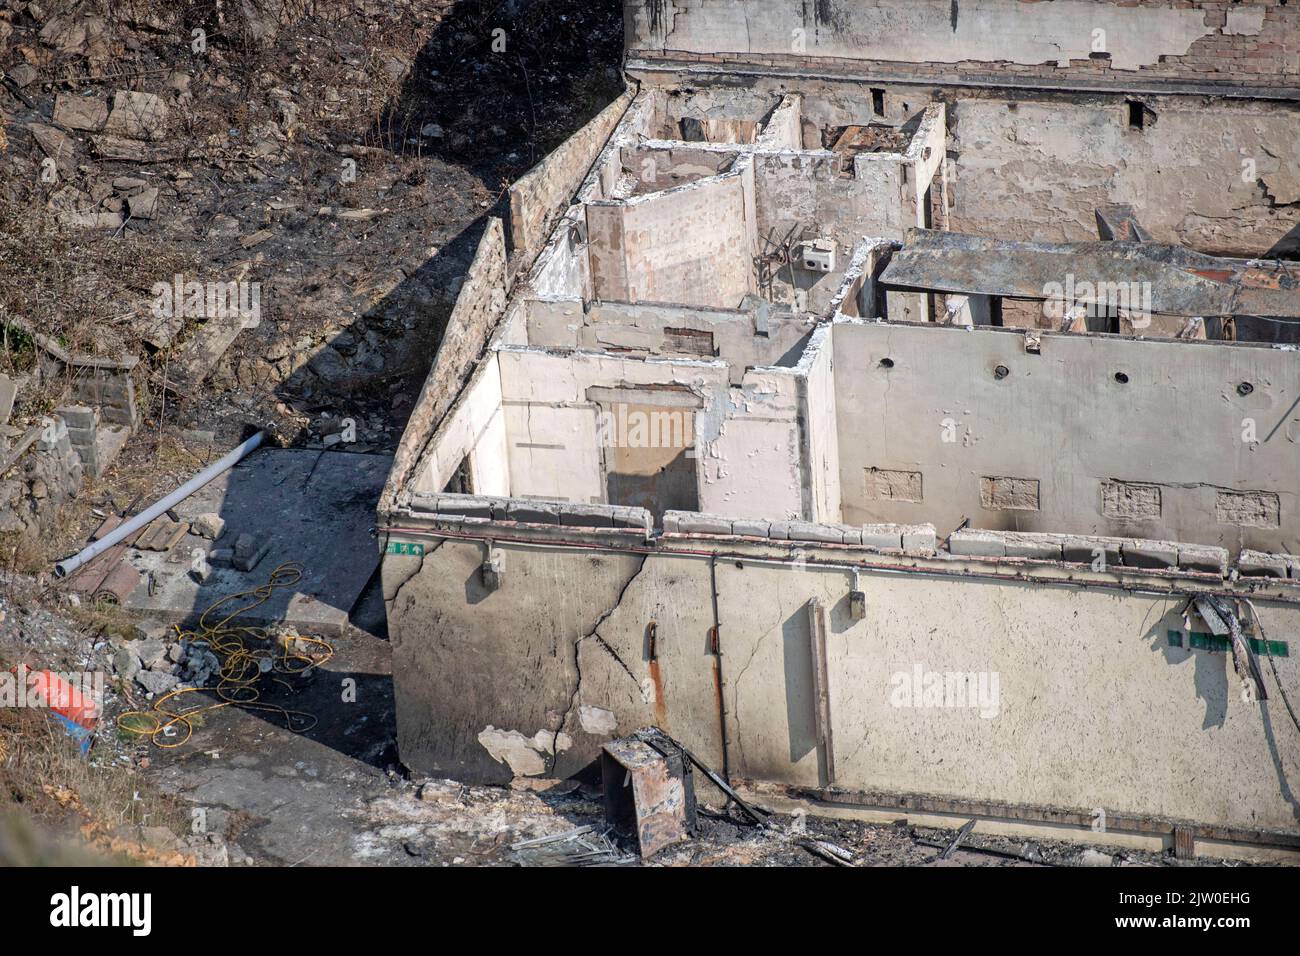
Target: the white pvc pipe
(66, 567)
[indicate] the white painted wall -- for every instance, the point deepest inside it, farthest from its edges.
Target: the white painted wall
(475, 427)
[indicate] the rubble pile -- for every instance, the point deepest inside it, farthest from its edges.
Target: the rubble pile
(159, 666)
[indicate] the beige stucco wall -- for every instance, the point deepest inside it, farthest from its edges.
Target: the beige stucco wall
(1094, 708)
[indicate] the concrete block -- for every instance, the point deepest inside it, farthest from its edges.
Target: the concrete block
(919, 537)
(82, 437)
(468, 506)
(248, 551)
(586, 516)
(222, 557)
(151, 652)
(109, 442)
(1142, 553)
(1042, 547)
(533, 512)
(1197, 557)
(807, 531)
(8, 394)
(779, 531)
(751, 528)
(976, 543)
(882, 536)
(1261, 564)
(628, 517)
(851, 533)
(157, 682)
(79, 417)
(691, 523)
(1083, 549)
(209, 526)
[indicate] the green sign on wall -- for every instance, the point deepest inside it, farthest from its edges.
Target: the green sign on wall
(406, 547)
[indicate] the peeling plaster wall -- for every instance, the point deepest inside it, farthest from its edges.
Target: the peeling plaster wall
(1074, 724)
(754, 467)
(751, 441)
(820, 416)
(563, 269)
(552, 424)
(1212, 176)
(1098, 40)
(784, 128)
(1062, 421)
(805, 191)
(693, 244)
(663, 166)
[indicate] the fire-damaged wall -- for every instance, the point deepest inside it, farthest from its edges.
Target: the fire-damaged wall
(1099, 41)
(1191, 441)
(580, 644)
(1186, 111)
(1222, 177)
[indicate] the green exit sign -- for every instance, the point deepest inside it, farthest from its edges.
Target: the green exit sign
(406, 547)
(1209, 642)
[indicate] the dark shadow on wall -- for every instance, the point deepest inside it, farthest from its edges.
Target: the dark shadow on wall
(1210, 675)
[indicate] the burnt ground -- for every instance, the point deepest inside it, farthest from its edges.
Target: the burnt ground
(344, 156)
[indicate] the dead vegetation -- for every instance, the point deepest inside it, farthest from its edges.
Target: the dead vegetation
(66, 809)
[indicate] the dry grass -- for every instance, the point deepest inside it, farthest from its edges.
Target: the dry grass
(67, 807)
(90, 292)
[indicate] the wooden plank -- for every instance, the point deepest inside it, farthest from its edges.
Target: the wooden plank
(821, 687)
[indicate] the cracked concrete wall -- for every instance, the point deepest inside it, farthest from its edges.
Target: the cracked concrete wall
(580, 646)
(1062, 419)
(1098, 41)
(1220, 177)
(552, 674)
